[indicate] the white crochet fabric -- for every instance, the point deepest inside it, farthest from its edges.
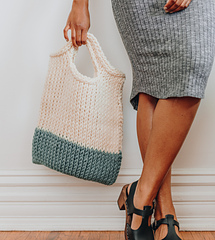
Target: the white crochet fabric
(80, 125)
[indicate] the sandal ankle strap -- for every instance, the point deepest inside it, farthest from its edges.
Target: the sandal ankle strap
(147, 211)
(132, 189)
(129, 200)
(169, 218)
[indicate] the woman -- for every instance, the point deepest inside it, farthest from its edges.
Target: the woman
(171, 46)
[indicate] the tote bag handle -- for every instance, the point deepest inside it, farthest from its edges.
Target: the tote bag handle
(97, 55)
(100, 62)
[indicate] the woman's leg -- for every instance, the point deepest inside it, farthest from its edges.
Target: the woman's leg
(146, 107)
(171, 121)
(164, 204)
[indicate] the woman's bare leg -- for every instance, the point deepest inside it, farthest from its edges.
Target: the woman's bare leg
(172, 119)
(146, 107)
(164, 204)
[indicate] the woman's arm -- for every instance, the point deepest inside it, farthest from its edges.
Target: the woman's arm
(78, 22)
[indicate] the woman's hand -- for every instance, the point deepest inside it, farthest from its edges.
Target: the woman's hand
(78, 22)
(176, 5)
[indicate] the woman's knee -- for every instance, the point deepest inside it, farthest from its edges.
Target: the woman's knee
(146, 98)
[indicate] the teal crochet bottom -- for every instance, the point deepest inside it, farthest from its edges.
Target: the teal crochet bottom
(72, 159)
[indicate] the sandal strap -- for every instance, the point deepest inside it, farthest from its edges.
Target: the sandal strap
(130, 196)
(147, 211)
(165, 220)
(132, 189)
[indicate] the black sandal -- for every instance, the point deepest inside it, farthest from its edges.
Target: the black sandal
(145, 231)
(169, 220)
(125, 202)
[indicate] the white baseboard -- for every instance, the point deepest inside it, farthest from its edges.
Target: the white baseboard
(46, 200)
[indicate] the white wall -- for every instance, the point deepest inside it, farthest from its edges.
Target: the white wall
(33, 197)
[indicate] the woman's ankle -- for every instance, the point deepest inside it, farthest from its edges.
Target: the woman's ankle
(164, 208)
(143, 197)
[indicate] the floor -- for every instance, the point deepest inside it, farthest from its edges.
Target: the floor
(89, 235)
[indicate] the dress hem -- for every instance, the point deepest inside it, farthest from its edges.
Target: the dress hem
(135, 98)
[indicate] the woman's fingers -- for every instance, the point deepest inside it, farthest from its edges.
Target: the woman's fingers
(84, 36)
(184, 5)
(73, 37)
(65, 32)
(188, 2)
(78, 36)
(173, 4)
(176, 5)
(181, 7)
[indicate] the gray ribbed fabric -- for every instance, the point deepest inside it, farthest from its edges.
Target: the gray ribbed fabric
(171, 53)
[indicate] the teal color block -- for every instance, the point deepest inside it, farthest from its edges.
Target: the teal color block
(73, 159)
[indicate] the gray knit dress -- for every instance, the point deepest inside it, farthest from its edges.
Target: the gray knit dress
(171, 53)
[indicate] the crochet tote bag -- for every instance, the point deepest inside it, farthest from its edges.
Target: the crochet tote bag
(79, 130)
